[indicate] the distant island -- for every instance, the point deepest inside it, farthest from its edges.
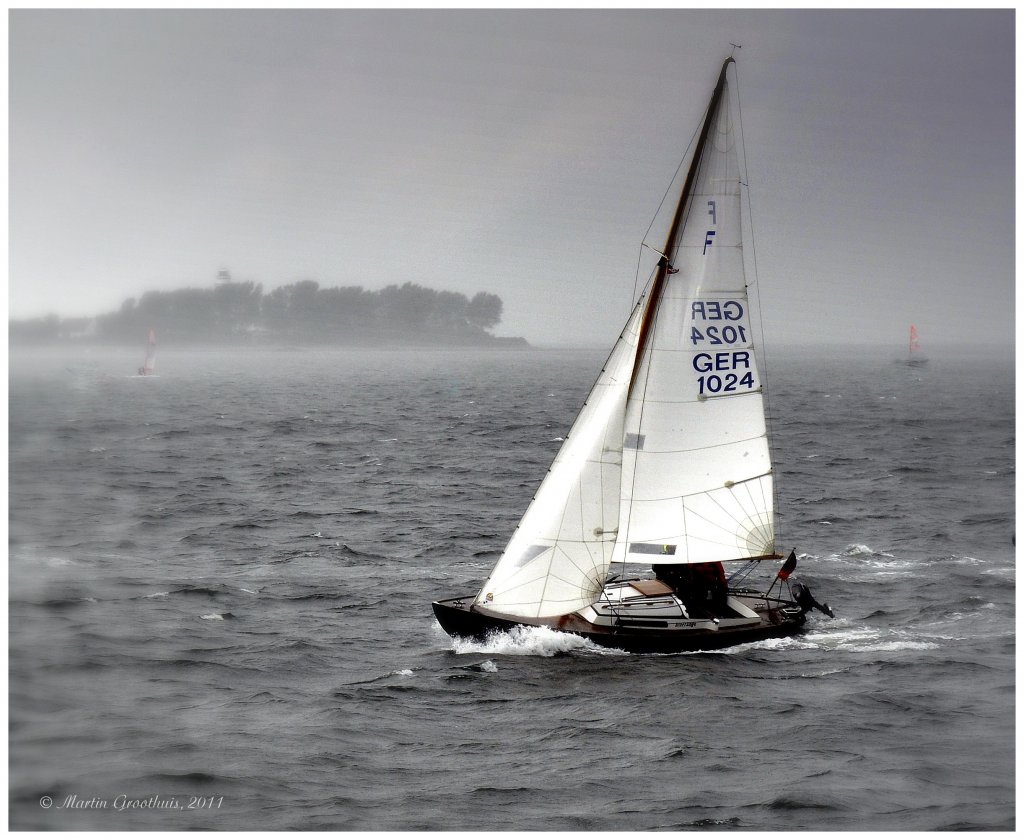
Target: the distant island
(302, 313)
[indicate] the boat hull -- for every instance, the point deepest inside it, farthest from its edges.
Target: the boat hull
(459, 617)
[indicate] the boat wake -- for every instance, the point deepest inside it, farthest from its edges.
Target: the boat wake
(860, 550)
(530, 641)
(848, 639)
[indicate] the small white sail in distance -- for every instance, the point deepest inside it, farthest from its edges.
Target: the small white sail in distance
(668, 460)
(149, 365)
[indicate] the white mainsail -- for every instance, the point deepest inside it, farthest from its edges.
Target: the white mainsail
(668, 460)
(697, 474)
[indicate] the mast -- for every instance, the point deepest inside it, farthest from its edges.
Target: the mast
(677, 220)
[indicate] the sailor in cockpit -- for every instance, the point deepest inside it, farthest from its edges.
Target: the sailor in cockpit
(702, 587)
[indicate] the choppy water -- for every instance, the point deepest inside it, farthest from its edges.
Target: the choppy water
(220, 586)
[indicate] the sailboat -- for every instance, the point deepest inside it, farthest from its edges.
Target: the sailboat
(666, 466)
(149, 365)
(914, 357)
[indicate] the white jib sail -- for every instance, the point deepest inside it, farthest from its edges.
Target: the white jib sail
(558, 558)
(697, 475)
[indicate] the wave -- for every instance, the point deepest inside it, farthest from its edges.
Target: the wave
(860, 550)
(57, 603)
(208, 591)
(383, 678)
(193, 777)
(860, 639)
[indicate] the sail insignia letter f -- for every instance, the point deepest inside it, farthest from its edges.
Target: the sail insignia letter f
(707, 240)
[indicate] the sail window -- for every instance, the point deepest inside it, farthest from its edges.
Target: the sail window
(651, 548)
(531, 552)
(633, 441)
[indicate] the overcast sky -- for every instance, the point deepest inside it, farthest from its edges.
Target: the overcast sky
(518, 152)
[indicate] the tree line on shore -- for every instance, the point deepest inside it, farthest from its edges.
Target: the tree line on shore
(299, 313)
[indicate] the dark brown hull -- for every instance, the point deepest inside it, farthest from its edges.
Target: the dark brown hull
(458, 617)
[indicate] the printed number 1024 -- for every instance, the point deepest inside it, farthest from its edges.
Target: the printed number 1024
(719, 335)
(715, 384)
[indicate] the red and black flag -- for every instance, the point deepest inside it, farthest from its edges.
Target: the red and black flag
(788, 566)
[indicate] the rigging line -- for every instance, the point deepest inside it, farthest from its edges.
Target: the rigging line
(760, 313)
(636, 276)
(589, 576)
(636, 452)
(675, 175)
(699, 448)
(698, 493)
(661, 204)
(735, 519)
(702, 493)
(587, 545)
(759, 507)
(547, 578)
(636, 279)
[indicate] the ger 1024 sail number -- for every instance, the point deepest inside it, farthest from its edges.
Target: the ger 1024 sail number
(721, 371)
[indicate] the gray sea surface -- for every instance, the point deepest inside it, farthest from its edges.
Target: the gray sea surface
(220, 582)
